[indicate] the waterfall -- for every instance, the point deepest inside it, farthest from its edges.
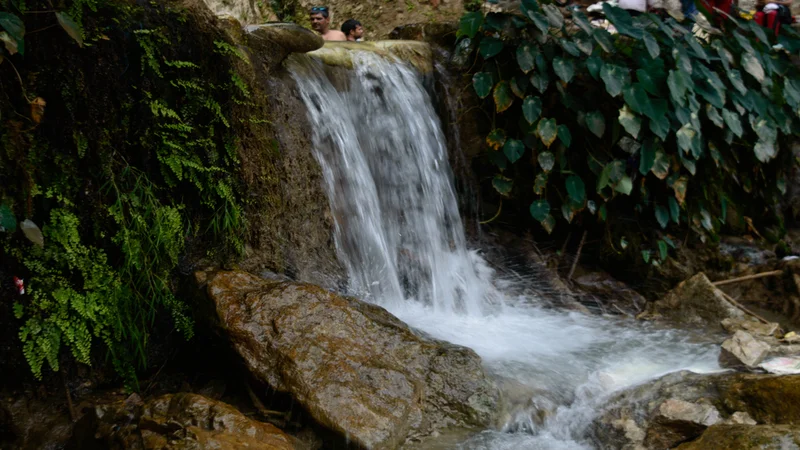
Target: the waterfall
(399, 235)
(384, 158)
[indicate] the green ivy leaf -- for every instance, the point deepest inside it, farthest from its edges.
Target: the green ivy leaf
(758, 31)
(594, 64)
(547, 161)
(647, 82)
(482, 82)
(8, 222)
(679, 84)
(564, 135)
(526, 57)
(679, 186)
(652, 46)
(586, 46)
(540, 80)
(71, 27)
(753, 67)
(615, 78)
(503, 98)
(15, 29)
(490, 46)
(564, 68)
(540, 209)
(502, 184)
(765, 150)
(596, 123)
(529, 6)
(554, 16)
(603, 38)
(519, 85)
(660, 165)
(647, 157)
(674, 210)
(570, 47)
(630, 121)
(540, 184)
(532, 108)
(662, 250)
(705, 220)
(622, 21)
(514, 149)
(611, 175)
(732, 121)
(791, 89)
(625, 185)
(662, 216)
(470, 23)
(580, 19)
(689, 140)
(646, 256)
(547, 131)
(576, 189)
(496, 138)
(549, 223)
(602, 212)
(713, 116)
(541, 22)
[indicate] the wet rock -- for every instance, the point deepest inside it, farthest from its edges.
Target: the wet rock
(694, 301)
(273, 42)
(339, 54)
(766, 437)
(751, 326)
(740, 418)
(678, 421)
(177, 421)
(245, 11)
(357, 369)
(678, 407)
(611, 291)
(743, 350)
(29, 423)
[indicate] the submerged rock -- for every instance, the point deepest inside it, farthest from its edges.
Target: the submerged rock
(762, 437)
(175, 421)
(356, 368)
(743, 350)
(694, 301)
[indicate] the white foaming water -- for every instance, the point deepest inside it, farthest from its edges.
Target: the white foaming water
(400, 237)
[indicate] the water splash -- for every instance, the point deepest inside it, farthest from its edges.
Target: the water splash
(399, 234)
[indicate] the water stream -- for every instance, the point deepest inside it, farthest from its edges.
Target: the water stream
(401, 239)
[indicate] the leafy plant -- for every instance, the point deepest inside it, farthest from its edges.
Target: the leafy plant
(672, 125)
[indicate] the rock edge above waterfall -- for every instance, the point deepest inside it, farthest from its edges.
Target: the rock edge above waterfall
(357, 369)
(417, 54)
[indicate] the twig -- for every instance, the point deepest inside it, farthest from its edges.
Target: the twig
(741, 307)
(564, 247)
(499, 209)
(748, 277)
(21, 85)
(260, 406)
(577, 257)
(72, 414)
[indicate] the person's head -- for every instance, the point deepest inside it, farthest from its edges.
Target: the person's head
(320, 20)
(352, 29)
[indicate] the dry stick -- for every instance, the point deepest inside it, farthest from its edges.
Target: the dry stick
(577, 257)
(564, 247)
(72, 414)
(260, 406)
(741, 307)
(748, 277)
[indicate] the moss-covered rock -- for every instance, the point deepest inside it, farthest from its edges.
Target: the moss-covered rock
(746, 437)
(356, 368)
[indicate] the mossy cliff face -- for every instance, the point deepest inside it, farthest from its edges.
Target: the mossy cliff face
(166, 142)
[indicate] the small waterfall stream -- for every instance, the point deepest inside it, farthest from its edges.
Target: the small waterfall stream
(399, 234)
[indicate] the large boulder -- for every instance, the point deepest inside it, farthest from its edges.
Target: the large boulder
(745, 437)
(694, 302)
(680, 407)
(356, 368)
(175, 422)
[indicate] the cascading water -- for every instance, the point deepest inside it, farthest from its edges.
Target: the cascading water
(399, 234)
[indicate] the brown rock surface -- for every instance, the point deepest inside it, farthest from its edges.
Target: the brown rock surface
(746, 437)
(178, 422)
(357, 369)
(694, 301)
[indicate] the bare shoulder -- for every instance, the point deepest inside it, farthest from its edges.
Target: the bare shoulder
(334, 35)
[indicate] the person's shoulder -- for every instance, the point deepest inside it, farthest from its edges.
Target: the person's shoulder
(338, 35)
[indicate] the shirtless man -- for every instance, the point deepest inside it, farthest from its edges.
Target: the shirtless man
(321, 22)
(353, 30)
